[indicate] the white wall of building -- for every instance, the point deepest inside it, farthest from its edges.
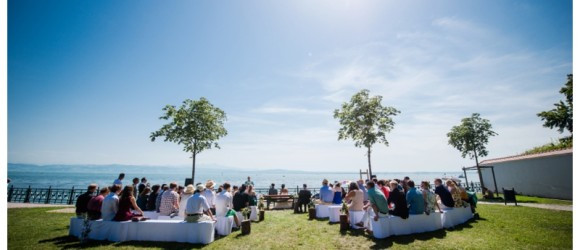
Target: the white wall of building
(549, 176)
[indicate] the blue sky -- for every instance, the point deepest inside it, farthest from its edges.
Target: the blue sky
(87, 79)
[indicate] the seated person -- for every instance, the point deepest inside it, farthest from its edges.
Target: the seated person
(241, 199)
(283, 190)
(455, 193)
(169, 201)
(126, 203)
(152, 198)
(303, 198)
(224, 205)
(377, 202)
(83, 201)
(94, 206)
(143, 196)
(444, 195)
(337, 198)
(197, 208)
(355, 197)
(111, 204)
(415, 199)
(430, 198)
(326, 194)
(399, 200)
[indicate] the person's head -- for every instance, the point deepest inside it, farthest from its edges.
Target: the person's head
(135, 180)
(406, 178)
(374, 177)
(143, 179)
(199, 189)
(104, 191)
(454, 182)
(324, 182)
(283, 186)
(381, 183)
(163, 186)
(397, 180)
(92, 188)
(180, 189)
(337, 185)
(360, 182)
(352, 186)
(375, 180)
(172, 186)
(189, 189)
(127, 192)
(304, 186)
(227, 186)
(250, 188)
(425, 185)
(145, 191)
(273, 185)
(210, 184)
(438, 182)
(249, 178)
(121, 176)
(411, 183)
(235, 188)
(330, 185)
(116, 188)
(370, 185)
(243, 188)
(450, 183)
(394, 184)
(155, 188)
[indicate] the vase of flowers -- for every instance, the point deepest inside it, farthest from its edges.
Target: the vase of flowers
(246, 223)
(344, 217)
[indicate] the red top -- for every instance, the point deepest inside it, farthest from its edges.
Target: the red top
(124, 212)
(385, 191)
(95, 203)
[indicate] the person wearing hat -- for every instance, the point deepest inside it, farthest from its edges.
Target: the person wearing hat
(188, 192)
(197, 208)
(209, 194)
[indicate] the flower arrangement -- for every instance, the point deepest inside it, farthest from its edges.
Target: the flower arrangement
(311, 204)
(344, 208)
(86, 230)
(246, 213)
(261, 204)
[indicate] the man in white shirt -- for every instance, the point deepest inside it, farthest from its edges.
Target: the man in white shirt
(119, 181)
(209, 195)
(110, 204)
(224, 205)
(197, 208)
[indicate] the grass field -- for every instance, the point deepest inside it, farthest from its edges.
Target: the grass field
(500, 227)
(529, 199)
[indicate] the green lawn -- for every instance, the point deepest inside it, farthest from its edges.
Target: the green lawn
(505, 227)
(529, 199)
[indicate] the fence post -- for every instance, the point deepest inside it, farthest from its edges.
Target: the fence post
(48, 195)
(27, 197)
(72, 193)
(10, 193)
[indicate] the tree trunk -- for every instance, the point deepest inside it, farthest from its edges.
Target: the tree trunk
(193, 169)
(478, 171)
(369, 159)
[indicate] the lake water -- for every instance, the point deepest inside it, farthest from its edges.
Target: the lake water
(80, 176)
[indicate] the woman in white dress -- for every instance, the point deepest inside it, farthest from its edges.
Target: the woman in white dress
(183, 199)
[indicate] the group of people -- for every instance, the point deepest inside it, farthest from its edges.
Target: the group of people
(395, 197)
(193, 203)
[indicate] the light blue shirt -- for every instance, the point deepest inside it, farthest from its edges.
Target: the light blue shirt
(326, 194)
(364, 189)
(415, 201)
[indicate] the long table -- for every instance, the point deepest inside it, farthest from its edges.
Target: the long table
(151, 230)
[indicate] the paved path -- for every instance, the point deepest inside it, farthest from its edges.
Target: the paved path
(26, 205)
(544, 206)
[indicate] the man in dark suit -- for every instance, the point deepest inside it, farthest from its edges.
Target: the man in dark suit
(444, 194)
(303, 198)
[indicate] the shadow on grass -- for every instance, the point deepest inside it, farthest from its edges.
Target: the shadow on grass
(71, 242)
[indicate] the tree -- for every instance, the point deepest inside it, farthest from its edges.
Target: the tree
(561, 116)
(197, 125)
(365, 121)
(470, 138)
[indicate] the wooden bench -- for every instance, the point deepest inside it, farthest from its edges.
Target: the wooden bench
(278, 198)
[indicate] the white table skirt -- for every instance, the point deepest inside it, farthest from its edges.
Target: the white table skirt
(224, 225)
(151, 215)
(355, 217)
(254, 213)
(151, 230)
(321, 211)
(334, 213)
(419, 223)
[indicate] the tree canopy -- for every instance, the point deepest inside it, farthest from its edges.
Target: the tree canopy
(561, 116)
(196, 124)
(365, 120)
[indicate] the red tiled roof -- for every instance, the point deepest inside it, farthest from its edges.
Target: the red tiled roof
(530, 156)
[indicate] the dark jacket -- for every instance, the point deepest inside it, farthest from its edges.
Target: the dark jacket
(83, 201)
(151, 201)
(398, 198)
(304, 196)
(445, 196)
(241, 201)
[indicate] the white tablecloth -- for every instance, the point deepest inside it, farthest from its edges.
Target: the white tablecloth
(224, 225)
(163, 217)
(151, 215)
(355, 217)
(455, 216)
(321, 211)
(254, 213)
(151, 230)
(334, 213)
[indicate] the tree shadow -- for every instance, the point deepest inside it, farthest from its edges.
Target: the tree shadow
(71, 242)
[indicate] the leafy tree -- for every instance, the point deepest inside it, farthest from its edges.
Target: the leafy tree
(365, 121)
(197, 125)
(470, 138)
(561, 116)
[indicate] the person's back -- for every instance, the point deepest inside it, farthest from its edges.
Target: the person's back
(415, 200)
(378, 199)
(151, 201)
(398, 199)
(445, 196)
(142, 201)
(183, 203)
(272, 190)
(304, 196)
(82, 202)
(357, 202)
(168, 201)
(110, 207)
(326, 194)
(209, 195)
(240, 201)
(223, 203)
(158, 200)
